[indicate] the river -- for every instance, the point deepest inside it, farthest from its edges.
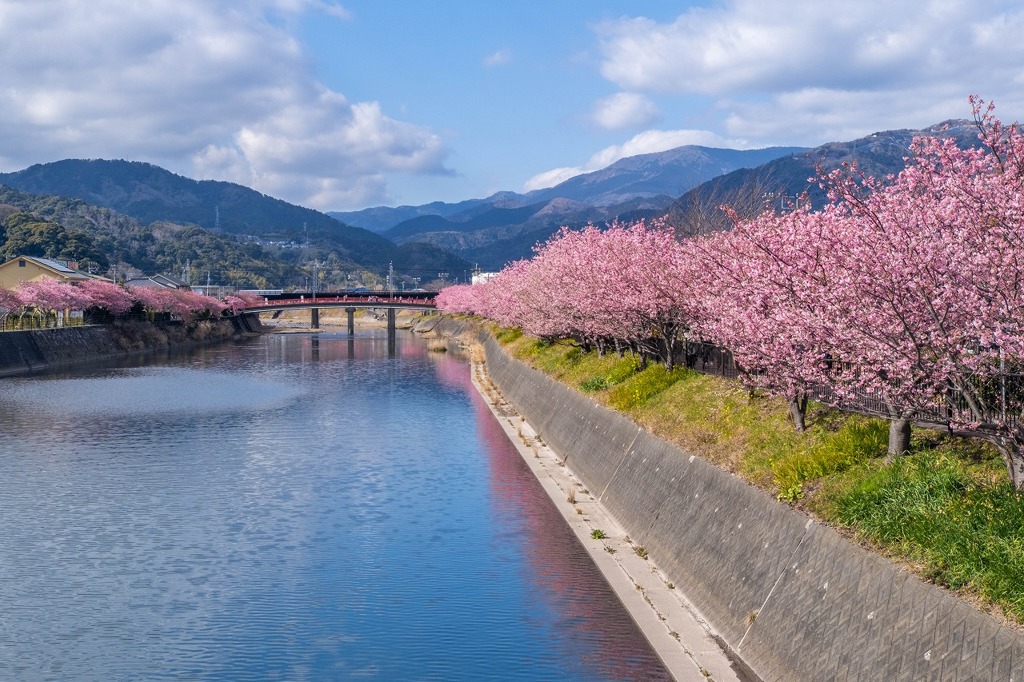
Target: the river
(292, 507)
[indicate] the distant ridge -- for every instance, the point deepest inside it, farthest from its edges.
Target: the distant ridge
(506, 225)
(150, 193)
(879, 154)
(155, 196)
(665, 174)
(688, 185)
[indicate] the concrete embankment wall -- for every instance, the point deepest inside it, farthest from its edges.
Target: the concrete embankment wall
(790, 597)
(25, 352)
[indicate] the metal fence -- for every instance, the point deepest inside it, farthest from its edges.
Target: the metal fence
(18, 321)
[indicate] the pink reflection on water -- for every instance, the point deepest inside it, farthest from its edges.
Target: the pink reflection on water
(592, 623)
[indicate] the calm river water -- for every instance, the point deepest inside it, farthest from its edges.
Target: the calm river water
(291, 507)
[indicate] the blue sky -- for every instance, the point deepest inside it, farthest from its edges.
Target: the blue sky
(348, 104)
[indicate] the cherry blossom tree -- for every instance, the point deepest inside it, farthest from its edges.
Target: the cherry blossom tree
(463, 299)
(9, 300)
(53, 297)
(762, 294)
(644, 289)
(112, 297)
(236, 303)
(181, 303)
(935, 273)
(907, 289)
(626, 284)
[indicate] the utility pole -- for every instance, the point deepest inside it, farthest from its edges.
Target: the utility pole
(316, 278)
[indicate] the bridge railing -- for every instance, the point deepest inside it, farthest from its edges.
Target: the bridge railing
(310, 300)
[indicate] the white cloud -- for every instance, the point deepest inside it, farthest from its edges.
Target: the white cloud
(551, 178)
(499, 58)
(625, 110)
(332, 153)
(767, 45)
(806, 71)
(647, 142)
(293, 7)
(219, 90)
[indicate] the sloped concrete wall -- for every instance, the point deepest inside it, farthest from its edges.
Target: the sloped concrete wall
(30, 351)
(793, 599)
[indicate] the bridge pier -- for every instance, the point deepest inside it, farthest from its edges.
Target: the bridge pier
(314, 318)
(351, 320)
(391, 332)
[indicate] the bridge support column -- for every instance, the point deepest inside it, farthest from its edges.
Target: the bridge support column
(391, 332)
(314, 318)
(351, 320)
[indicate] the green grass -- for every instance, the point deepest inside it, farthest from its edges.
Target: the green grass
(508, 334)
(947, 511)
(933, 510)
(642, 386)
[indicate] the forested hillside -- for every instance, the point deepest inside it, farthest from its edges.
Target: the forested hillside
(144, 217)
(107, 242)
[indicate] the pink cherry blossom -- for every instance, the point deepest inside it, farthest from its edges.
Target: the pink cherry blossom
(113, 297)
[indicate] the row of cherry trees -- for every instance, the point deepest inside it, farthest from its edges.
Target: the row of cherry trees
(621, 286)
(48, 295)
(908, 289)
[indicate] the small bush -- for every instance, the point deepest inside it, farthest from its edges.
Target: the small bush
(508, 334)
(626, 368)
(856, 441)
(623, 369)
(643, 386)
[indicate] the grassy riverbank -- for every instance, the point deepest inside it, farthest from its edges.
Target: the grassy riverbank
(947, 512)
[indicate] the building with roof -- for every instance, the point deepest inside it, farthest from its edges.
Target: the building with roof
(31, 268)
(165, 281)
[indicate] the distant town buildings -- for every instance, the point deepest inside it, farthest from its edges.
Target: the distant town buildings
(165, 281)
(482, 277)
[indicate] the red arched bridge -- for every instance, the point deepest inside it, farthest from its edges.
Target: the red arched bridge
(350, 301)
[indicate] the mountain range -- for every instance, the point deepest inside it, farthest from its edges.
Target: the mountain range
(688, 185)
(164, 204)
(658, 178)
(137, 215)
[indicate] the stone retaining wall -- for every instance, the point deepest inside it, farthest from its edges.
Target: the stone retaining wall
(31, 351)
(789, 596)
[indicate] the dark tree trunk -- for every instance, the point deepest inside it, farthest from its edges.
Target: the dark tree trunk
(798, 411)
(1008, 440)
(899, 438)
(1011, 448)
